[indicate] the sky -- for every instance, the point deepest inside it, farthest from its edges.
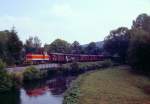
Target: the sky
(81, 20)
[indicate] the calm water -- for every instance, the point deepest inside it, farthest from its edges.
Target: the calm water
(39, 92)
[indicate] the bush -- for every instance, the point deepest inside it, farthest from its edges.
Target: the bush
(74, 66)
(17, 79)
(31, 73)
(5, 79)
(106, 63)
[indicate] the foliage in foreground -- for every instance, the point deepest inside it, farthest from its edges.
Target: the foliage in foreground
(5, 79)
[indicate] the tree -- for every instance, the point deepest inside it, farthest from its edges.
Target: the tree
(91, 48)
(32, 45)
(14, 46)
(139, 47)
(59, 46)
(139, 50)
(37, 42)
(76, 47)
(46, 47)
(3, 45)
(142, 22)
(117, 42)
(29, 47)
(29, 42)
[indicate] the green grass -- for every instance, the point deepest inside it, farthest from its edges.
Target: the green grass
(115, 85)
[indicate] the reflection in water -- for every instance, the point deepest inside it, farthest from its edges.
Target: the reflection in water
(46, 98)
(57, 86)
(39, 92)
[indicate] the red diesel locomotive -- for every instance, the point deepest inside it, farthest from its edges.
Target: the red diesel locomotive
(60, 58)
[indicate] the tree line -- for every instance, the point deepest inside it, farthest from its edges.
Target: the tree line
(131, 45)
(62, 46)
(13, 50)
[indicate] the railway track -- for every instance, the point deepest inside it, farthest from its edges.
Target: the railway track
(39, 66)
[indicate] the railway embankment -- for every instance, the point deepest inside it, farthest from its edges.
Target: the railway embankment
(33, 73)
(114, 85)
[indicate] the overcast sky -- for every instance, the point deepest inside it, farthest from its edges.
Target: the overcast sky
(81, 20)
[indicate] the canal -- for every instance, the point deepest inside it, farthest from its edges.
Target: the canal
(48, 91)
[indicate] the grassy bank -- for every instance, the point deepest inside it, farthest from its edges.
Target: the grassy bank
(115, 85)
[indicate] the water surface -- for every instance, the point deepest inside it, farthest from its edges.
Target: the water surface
(49, 91)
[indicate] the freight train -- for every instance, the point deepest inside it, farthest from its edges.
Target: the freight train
(60, 58)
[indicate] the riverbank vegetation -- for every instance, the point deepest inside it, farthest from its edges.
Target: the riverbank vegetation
(31, 73)
(80, 67)
(14, 80)
(115, 85)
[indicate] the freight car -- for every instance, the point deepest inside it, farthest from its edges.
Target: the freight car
(60, 58)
